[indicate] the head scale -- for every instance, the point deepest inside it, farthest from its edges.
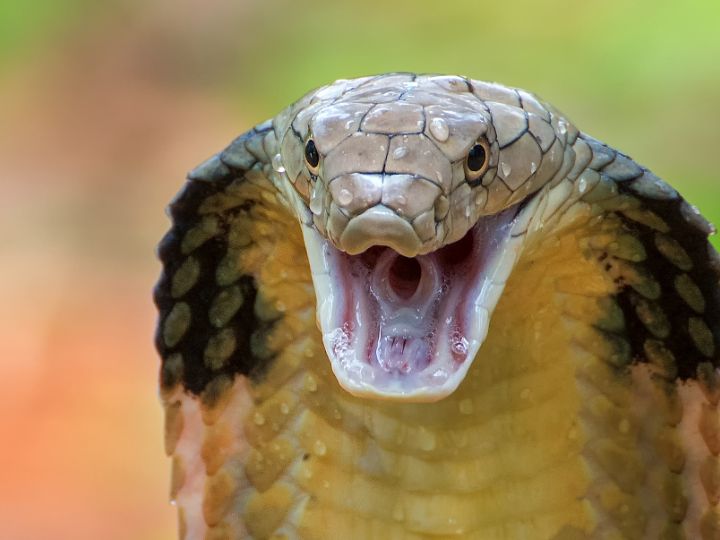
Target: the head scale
(411, 162)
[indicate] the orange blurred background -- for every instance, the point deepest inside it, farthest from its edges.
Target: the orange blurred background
(105, 106)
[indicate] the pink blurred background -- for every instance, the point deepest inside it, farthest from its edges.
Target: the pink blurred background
(105, 106)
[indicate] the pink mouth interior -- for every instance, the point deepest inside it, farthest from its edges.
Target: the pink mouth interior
(409, 328)
(403, 316)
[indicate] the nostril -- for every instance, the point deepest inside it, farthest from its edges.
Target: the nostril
(404, 276)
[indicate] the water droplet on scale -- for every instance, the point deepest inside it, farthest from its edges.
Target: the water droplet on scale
(400, 152)
(466, 406)
(344, 197)
(284, 408)
(533, 167)
(505, 169)
(426, 439)
(582, 185)
(277, 163)
(311, 383)
(439, 129)
(259, 419)
(316, 201)
(319, 448)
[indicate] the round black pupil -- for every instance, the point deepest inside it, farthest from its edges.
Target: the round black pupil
(476, 158)
(311, 154)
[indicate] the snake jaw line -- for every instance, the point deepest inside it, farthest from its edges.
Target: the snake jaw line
(406, 326)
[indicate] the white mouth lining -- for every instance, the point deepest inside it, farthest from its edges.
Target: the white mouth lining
(360, 378)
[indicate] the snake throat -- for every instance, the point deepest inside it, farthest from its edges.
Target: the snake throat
(408, 328)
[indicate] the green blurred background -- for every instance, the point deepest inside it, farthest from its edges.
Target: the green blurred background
(105, 105)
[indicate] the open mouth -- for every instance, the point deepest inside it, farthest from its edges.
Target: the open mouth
(405, 328)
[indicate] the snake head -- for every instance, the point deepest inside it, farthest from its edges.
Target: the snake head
(413, 192)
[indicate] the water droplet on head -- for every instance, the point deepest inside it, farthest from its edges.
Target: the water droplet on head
(259, 419)
(533, 167)
(280, 306)
(400, 152)
(481, 197)
(277, 163)
(439, 129)
(505, 169)
(344, 197)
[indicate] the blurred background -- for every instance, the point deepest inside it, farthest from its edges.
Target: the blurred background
(105, 105)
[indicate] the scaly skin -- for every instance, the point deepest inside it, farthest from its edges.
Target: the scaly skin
(590, 410)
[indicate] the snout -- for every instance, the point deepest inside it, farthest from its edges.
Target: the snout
(393, 210)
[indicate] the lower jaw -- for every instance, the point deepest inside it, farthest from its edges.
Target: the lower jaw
(408, 329)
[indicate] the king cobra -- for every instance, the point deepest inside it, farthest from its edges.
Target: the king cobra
(415, 306)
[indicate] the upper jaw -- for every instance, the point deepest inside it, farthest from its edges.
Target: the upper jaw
(408, 329)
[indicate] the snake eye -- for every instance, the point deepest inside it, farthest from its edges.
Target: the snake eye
(476, 162)
(312, 158)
